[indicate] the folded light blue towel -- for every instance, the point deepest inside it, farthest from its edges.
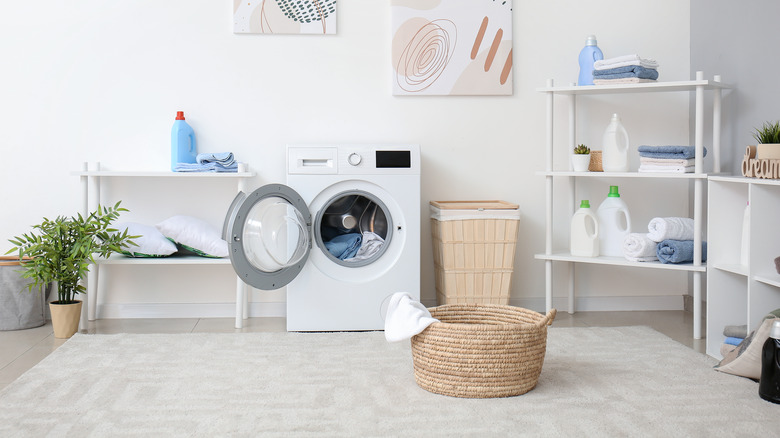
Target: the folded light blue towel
(628, 71)
(344, 246)
(205, 167)
(678, 251)
(733, 341)
(225, 159)
(669, 152)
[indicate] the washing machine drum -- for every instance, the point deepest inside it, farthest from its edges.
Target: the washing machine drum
(268, 236)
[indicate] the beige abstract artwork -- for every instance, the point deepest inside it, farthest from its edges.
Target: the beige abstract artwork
(284, 16)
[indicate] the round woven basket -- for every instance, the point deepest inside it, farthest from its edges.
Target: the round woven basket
(481, 350)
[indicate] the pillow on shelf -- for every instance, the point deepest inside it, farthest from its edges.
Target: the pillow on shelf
(151, 242)
(194, 235)
(745, 360)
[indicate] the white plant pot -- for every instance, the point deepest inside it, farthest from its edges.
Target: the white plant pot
(580, 162)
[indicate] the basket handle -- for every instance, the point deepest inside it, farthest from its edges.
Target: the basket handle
(547, 320)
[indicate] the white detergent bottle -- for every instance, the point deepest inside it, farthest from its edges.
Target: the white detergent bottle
(614, 224)
(614, 154)
(584, 232)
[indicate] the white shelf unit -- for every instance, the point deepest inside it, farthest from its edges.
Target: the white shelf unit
(697, 268)
(91, 182)
(740, 294)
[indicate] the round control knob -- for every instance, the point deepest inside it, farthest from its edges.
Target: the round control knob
(354, 159)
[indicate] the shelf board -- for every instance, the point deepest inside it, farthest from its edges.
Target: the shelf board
(620, 261)
(746, 180)
(164, 174)
(664, 175)
(770, 278)
(172, 260)
(636, 88)
(734, 268)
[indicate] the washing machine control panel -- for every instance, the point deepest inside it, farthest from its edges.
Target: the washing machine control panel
(354, 158)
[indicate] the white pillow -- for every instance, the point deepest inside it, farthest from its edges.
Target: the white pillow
(151, 243)
(195, 235)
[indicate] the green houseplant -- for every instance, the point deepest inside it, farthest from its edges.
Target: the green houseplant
(768, 138)
(61, 250)
(581, 158)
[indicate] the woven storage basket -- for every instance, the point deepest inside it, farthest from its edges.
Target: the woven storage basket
(595, 162)
(481, 350)
(474, 250)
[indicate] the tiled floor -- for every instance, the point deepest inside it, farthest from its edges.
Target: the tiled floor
(21, 350)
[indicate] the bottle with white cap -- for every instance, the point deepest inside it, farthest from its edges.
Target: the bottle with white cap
(614, 155)
(769, 384)
(588, 56)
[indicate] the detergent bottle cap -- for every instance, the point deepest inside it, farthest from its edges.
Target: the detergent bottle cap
(179, 115)
(591, 41)
(615, 117)
(613, 192)
(585, 204)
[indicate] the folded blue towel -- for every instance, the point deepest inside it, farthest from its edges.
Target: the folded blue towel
(671, 152)
(678, 251)
(225, 159)
(205, 167)
(344, 246)
(628, 71)
(733, 341)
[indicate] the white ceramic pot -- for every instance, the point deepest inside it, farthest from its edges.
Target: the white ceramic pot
(580, 162)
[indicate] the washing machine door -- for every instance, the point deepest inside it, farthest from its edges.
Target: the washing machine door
(269, 236)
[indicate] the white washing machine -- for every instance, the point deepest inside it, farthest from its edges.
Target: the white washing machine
(343, 235)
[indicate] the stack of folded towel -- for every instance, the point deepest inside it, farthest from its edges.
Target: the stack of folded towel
(673, 159)
(669, 240)
(627, 69)
(213, 162)
(734, 334)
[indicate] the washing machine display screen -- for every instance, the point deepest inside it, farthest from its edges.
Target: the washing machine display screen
(394, 159)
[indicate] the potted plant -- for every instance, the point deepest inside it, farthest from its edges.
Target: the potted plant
(61, 251)
(768, 138)
(581, 158)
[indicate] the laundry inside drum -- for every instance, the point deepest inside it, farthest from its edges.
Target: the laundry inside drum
(355, 228)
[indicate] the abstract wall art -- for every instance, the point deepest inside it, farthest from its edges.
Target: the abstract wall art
(284, 16)
(452, 47)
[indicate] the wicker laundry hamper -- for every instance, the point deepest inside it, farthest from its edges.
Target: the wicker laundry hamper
(481, 350)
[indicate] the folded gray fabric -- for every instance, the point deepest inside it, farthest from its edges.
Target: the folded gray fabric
(678, 251)
(735, 331)
(669, 152)
(628, 71)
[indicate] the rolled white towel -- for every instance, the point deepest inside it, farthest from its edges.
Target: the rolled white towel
(405, 317)
(670, 228)
(637, 247)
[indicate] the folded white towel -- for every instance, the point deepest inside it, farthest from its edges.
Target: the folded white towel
(625, 60)
(637, 247)
(405, 317)
(671, 228)
(654, 168)
(668, 161)
(620, 81)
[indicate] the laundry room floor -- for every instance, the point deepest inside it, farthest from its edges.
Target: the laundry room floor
(22, 349)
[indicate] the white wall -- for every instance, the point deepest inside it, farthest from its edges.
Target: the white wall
(101, 81)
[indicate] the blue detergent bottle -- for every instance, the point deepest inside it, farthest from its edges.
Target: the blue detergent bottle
(183, 146)
(588, 55)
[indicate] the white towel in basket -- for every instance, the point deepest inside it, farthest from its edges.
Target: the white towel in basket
(405, 317)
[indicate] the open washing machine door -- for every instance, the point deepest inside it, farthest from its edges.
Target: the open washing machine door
(268, 236)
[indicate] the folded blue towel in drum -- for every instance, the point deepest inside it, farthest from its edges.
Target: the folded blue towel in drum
(344, 246)
(679, 251)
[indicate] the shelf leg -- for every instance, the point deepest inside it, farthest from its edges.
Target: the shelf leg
(697, 305)
(548, 284)
(240, 299)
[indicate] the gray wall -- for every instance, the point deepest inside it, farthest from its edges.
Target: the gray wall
(739, 40)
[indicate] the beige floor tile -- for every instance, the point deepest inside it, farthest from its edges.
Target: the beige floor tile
(142, 325)
(24, 362)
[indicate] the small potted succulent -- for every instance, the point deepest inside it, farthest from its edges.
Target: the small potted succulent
(768, 138)
(581, 158)
(60, 251)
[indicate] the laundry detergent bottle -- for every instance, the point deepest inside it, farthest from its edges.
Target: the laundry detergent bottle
(584, 232)
(614, 224)
(588, 55)
(183, 146)
(614, 155)
(769, 384)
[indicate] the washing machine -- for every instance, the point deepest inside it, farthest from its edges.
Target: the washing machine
(343, 234)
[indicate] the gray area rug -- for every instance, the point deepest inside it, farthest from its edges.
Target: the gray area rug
(625, 381)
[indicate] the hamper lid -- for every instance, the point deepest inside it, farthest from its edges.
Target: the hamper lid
(459, 210)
